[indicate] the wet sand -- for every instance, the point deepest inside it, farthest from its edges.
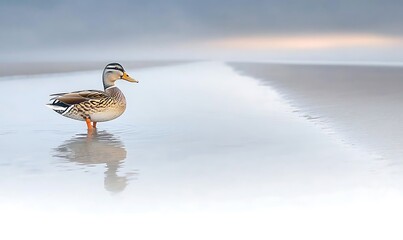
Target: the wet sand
(361, 103)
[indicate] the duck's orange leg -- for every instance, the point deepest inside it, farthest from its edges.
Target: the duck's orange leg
(88, 121)
(94, 124)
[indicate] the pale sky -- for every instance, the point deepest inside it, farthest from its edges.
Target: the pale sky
(238, 29)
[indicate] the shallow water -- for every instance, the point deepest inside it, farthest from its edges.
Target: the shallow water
(201, 152)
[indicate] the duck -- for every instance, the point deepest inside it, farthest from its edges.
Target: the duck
(93, 106)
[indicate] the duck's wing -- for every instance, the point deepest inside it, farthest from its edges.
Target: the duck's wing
(60, 102)
(79, 96)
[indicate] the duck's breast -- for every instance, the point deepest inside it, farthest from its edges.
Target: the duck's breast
(108, 114)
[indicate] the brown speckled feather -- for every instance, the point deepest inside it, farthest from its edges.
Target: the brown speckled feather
(80, 96)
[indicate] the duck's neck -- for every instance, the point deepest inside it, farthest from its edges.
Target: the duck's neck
(108, 80)
(108, 84)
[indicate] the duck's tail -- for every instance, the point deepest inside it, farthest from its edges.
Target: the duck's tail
(58, 106)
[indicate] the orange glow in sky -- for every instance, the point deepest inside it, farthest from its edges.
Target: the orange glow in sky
(307, 41)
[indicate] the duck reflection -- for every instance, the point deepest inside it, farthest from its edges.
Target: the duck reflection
(98, 147)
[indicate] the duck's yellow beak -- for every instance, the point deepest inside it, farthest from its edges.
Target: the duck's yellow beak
(129, 79)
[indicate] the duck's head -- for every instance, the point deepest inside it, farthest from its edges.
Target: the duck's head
(113, 72)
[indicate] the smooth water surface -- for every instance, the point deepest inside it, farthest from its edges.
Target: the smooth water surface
(201, 152)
